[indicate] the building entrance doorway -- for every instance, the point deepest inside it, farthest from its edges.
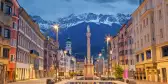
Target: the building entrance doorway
(2, 72)
(164, 74)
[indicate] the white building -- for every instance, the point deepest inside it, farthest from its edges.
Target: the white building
(29, 60)
(62, 63)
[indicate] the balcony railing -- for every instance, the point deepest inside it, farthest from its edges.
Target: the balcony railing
(9, 2)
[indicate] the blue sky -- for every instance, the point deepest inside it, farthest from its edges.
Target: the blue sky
(54, 9)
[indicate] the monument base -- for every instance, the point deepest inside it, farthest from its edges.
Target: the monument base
(89, 71)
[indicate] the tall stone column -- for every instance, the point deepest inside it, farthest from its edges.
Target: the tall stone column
(88, 45)
(88, 67)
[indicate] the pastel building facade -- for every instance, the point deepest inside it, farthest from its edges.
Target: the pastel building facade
(123, 53)
(115, 53)
(5, 38)
(30, 48)
(161, 39)
(62, 63)
(145, 51)
(80, 67)
(99, 66)
(50, 57)
(72, 64)
(13, 41)
(130, 49)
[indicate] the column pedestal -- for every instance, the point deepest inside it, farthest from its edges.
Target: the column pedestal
(89, 71)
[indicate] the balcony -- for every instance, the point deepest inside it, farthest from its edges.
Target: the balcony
(34, 53)
(15, 16)
(9, 2)
(5, 19)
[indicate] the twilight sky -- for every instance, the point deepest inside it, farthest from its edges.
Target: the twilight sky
(53, 9)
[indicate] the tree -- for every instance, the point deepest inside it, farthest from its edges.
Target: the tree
(72, 74)
(118, 72)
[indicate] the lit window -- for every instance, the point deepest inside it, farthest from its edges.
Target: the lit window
(148, 54)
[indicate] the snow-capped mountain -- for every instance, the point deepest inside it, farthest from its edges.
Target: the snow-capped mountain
(74, 26)
(73, 20)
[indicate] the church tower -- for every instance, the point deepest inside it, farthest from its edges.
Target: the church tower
(69, 46)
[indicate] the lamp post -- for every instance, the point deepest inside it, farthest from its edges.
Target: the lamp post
(56, 27)
(108, 39)
(65, 66)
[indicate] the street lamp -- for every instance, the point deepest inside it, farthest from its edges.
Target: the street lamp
(65, 52)
(56, 27)
(100, 54)
(108, 39)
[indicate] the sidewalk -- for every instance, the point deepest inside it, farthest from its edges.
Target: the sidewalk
(148, 82)
(65, 81)
(32, 81)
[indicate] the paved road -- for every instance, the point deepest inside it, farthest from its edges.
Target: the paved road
(148, 82)
(32, 81)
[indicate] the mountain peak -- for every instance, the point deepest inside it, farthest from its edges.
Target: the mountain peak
(75, 27)
(72, 20)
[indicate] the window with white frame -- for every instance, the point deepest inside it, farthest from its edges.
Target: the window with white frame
(7, 33)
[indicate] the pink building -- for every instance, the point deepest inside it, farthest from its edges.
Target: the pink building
(123, 57)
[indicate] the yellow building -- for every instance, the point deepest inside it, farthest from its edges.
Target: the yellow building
(80, 67)
(161, 36)
(143, 24)
(151, 43)
(5, 23)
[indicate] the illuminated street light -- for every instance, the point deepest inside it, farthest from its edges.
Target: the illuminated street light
(65, 52)
(111, 51)
(108, 39)
(100, 54)
(56, 27)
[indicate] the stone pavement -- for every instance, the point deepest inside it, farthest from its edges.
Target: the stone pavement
(148, 82)
(32, 81)
(73, 80)
(65, 81)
